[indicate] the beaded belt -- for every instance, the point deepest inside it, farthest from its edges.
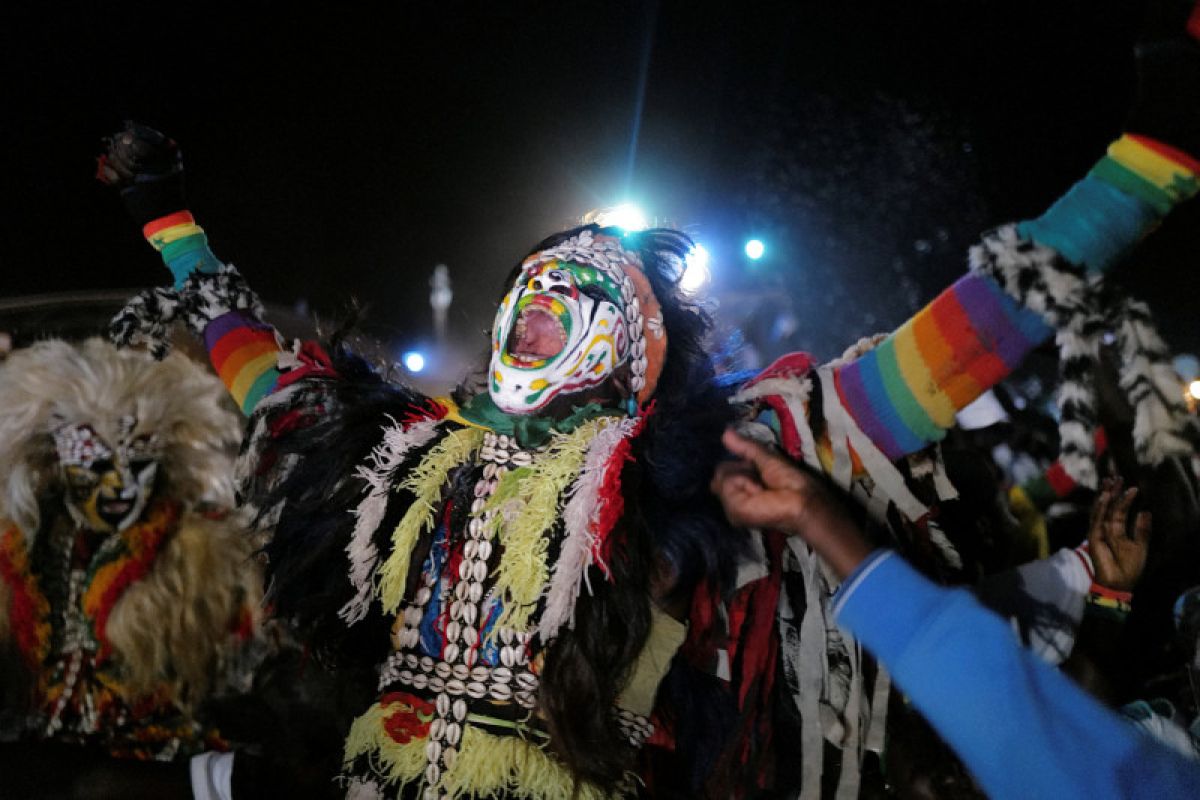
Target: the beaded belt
(500, 684)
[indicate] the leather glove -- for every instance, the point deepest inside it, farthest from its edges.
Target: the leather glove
(147, 167)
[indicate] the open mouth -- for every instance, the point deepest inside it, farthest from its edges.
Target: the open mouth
(537, 335)
(115, 508)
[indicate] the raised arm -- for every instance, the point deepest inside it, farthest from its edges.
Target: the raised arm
(1029, 280)
(147, 168)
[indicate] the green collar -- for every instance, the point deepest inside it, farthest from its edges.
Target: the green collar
(529, 431)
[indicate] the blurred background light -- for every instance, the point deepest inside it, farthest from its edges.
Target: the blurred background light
(755, 249)
(626, 216)
(1194, 390)
(414, 361)
(696, 274)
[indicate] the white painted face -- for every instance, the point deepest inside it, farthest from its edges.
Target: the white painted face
(108, 487)
(561, 329)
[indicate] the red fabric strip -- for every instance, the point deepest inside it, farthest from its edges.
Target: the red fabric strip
(1062, 483)
(169, 221)
(1166, 151)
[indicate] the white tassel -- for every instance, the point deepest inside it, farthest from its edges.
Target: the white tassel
(937, 537)
(795, 393)
(398, 441)
(1159, 413)
(578, 551)
(1079, 460)
(882, 471)
(810, 664)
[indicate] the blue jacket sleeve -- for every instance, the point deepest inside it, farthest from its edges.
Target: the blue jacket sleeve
(1022, 728)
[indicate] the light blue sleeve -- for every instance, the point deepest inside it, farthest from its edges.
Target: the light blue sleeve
(1023, 729)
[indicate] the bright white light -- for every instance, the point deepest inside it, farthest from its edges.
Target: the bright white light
(414, 361)
(695, 271)
(755, 249)
(1194, 389)
(626, 216)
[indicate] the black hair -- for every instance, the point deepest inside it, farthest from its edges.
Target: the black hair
(671, 523)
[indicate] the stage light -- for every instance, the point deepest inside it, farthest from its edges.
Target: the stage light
(626, 216)
(755, 249)
(1194, 389)
(695, 271)
(414, 362)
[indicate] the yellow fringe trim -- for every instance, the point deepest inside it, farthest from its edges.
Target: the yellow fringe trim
(425, 482)
(486, 764)
(389, 758)
(530, 502)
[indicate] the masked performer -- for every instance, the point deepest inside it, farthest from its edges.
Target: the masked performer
(123, 603)
(520, 545)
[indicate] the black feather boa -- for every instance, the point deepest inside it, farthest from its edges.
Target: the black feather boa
(307, 564)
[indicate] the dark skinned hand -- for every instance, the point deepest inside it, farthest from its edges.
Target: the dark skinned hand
(765, 490)
(1117, 557)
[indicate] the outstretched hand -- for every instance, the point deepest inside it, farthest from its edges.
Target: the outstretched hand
(1117, 557)
(765, 490)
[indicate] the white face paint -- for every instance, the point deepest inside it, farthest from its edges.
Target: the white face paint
(108, 487)
(561, 329)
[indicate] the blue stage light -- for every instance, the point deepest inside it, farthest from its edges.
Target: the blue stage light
(414, 361)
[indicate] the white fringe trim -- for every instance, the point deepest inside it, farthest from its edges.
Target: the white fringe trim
(398, 441)
(1160, 417)
(580, 542)
(795, 393)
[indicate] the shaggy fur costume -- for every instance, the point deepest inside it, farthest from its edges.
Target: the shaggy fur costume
(169, 608)
(54, 382)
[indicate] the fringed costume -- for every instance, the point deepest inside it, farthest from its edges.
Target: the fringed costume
(505, 559)
(126, 593)
(518, 563)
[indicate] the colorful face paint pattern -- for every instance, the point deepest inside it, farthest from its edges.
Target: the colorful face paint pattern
(561, 329)
(108, 486)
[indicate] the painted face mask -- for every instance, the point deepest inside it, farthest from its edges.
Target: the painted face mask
(577, 312)
(107, 487)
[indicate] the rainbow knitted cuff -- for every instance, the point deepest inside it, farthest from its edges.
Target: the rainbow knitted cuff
(245, 354)
(1109, 601)
(904, 393)
(182, 245)
(1124, 196)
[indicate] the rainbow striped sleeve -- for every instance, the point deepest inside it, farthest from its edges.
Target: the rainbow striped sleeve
(182, 245)
(905, 392)
(1127, 193)
(245, 354)
(243, 351)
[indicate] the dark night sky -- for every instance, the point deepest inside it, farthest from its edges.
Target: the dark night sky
(342, 151)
